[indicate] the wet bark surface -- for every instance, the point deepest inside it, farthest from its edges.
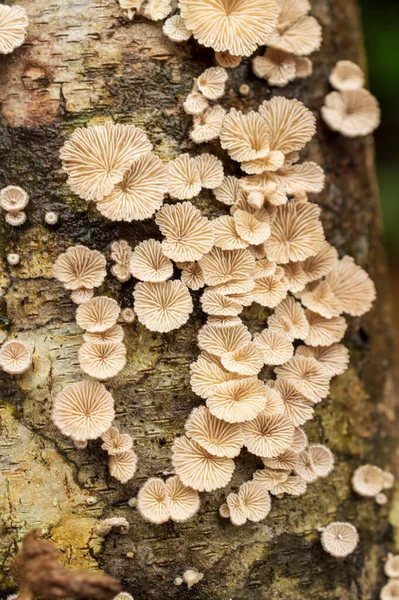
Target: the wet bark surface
(81, 64)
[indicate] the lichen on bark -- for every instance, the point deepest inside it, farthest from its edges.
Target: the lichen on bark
(82, 63)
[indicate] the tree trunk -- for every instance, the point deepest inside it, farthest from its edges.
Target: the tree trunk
(83, 62)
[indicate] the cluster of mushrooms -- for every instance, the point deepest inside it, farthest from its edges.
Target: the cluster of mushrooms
(260, 388)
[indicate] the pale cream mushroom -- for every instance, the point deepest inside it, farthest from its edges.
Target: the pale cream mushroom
(340, 539)
(352, 286)
(208, 124)
(199, 469)
(239, 28)
(238, 400)
(368, 480)
(268, 435)
(217, 437)
(211, 83)
(13, 26)
(79, 268)
(352, 113)
(123, 465)
(83, 411)
(162, 306)
(97, 158)
(148, 262)
(175, 29)
(346, 75)
(307, 375)
(296, 31)
(102, 360)
(15, 357)
(99, 314)
(115, 442)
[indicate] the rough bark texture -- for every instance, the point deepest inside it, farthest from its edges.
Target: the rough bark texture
(82, 62)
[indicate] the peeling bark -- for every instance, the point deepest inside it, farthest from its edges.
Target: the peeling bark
(82, 62)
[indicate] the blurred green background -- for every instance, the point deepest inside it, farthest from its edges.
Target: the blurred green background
(381, 31)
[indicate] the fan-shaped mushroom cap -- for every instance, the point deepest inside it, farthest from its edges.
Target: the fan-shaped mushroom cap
(245, 136)
(390, 591)
(216, 436)
(176, 29)
(208, 124)
(307, 375)
(334, 359)
(189, 235)
(247, 360)
(294, 486)
(96, 158)
(15, 357)
(121, 254)
(322, 459)
(195, 103)
(221, 340)
(297, 233)
(291, 125)
(211, 171)
(183, 501)
(235, 287)
(114, 334)
(352, 286)
(13, 25)
(274, 401)
(323, 332)
(321, 263)
(116, 442)
(290, 320)
(238, 400)
(319, 298)
(304, 67)
(346, 75)
(80, 267)
(152, 501)
(139, 194)
(148, 263)
(304, 467)
(227, 60)
(214, 303)
(162, 306)
(300, 440)
(192, 275)
(277, 67)
(295, 276)
(226, 234)
(236, 510)
(206, 375)
(272, 290)
(391, 567)
(102, 360)
(83, 411)
(221, 266)
(352, 113)
(269, 478)
(339, 539)
(199, 469)
(229, 190)
(298, 408)
(156, 10)
(123, 465)
(184, 181)
(268, 435)
(82, 295)
(250, 228)
(239, 28)
(296, 32)
(99, 314)
(224, 511)
(275, 347)
(286, 461)
(368, 480)
(220, 321)
(211, 82)
(255, 501)
(263, 268)
(13, 198)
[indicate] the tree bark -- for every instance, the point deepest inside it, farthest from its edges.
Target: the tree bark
(83, 62)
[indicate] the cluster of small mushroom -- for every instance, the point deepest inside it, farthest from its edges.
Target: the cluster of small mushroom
(85, 410)
(113, 165)
(390, 591)
(351, 110)
(370, 481)
(13, 200)
(15, 357)
(13, 26)
(155, 10)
